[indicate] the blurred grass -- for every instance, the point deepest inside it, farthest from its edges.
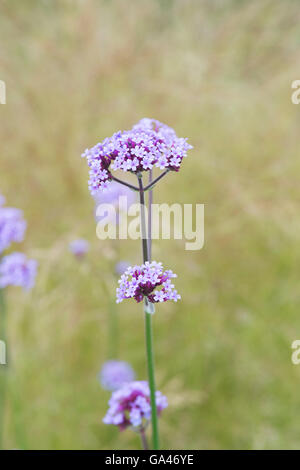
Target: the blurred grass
(219, 73)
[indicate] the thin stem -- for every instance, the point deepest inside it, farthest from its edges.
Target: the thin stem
(144, 439)
(143, 219)
(131, 186)
(3, 374)
(148, 309)
(150, 202)
(151, 377)
(151, 185)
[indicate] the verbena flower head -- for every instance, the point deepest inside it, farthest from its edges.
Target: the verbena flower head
(121, 267)
(114, 374)
(130, 405)
(149, 143)
(148, 280)
(79, 247)
(17, 270)
(12, 227)
(118, 196)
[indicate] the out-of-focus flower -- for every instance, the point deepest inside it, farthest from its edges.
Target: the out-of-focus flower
(130, 405)
(12, 227)
(114, 374)
(149, 143)
(17, 270)
(140, 281)
(119, 197)
(113, 194)
(79, 247)
(121, 267)
(2, 200)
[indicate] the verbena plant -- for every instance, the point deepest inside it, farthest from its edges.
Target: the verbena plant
(147, 145)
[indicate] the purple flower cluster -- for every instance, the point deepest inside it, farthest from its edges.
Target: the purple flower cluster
(17, 270)
(12, 226)
(114, 374)
(79, 247)
(140, 281)
(149, 143)
(130, 405)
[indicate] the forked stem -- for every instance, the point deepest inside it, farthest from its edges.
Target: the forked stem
(124, 183)
(153, 183)
(146, 188)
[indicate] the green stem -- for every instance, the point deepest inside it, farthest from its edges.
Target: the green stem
(149, 309)
(150, 202)
(3, 374)
(153, 183)
(151, 377)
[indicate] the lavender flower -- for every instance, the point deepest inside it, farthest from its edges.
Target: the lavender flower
(17, 270)
(130, 405)
(119, 196)
(149, 143)
(79, 247)
(12, 227)
(121, 267)
(114, 374)
(140, 281)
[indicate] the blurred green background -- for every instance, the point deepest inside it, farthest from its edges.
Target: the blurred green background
(220, 73)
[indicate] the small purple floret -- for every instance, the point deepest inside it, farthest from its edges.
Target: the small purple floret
(130, 405)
